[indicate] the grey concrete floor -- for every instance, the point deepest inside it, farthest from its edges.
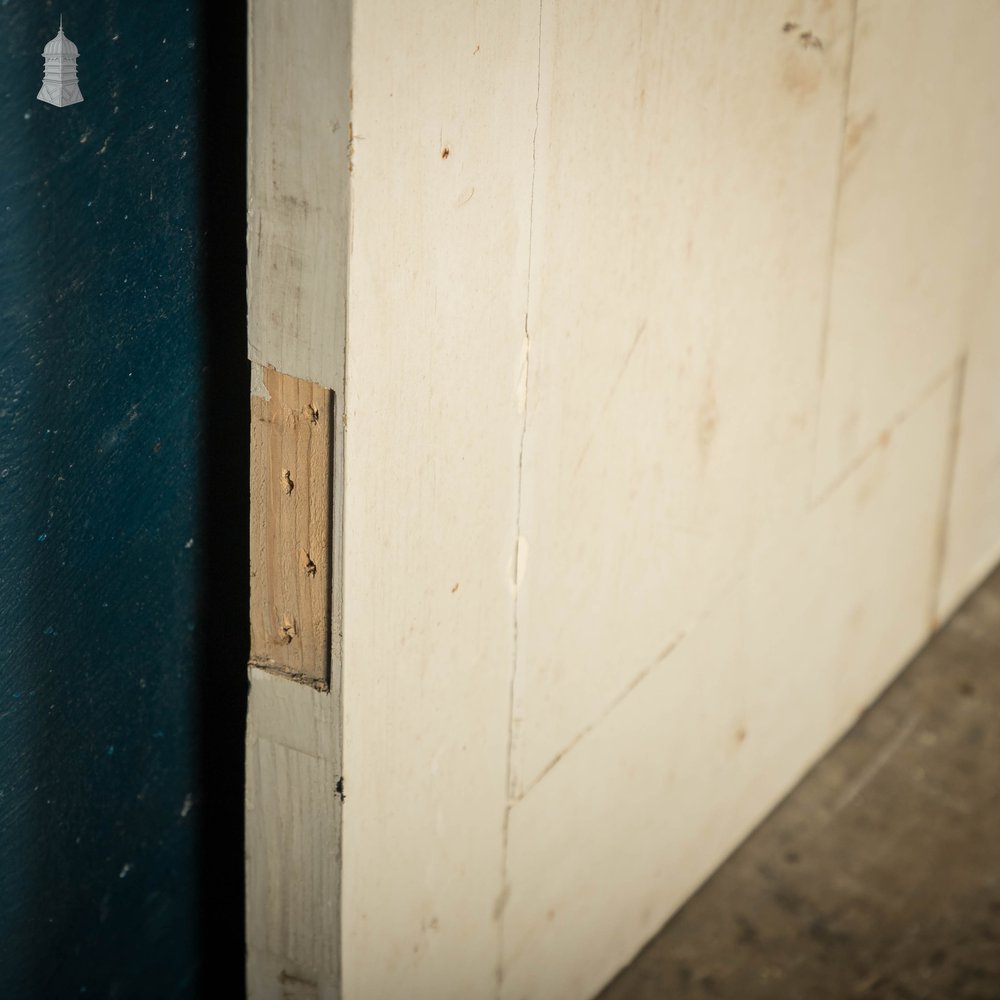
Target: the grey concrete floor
(879, 876)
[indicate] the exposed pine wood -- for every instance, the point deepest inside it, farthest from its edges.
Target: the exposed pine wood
(291, 517)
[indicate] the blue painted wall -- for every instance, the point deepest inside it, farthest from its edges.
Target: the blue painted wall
(122, 572)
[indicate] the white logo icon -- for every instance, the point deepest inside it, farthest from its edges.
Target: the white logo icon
(59, 86)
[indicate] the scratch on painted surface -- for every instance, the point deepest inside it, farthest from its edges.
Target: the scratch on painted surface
(632, 685)
(611, 393)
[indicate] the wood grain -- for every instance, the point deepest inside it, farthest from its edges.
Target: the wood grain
(291, 514)
(298, 176)
(298, 233)
(293, 841)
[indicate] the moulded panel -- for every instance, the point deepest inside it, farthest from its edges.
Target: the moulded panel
(917, 208)
(686, 173)
(613, 839)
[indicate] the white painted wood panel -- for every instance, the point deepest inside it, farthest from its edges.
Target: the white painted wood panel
(298, 174)
(921, 160)
(444, 98)
(614, 571)
(292, 840)
(687, 162)
(297, 235)
(638, 813)
(971, 537)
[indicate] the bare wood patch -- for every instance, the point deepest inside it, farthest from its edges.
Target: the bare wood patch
(291, 514)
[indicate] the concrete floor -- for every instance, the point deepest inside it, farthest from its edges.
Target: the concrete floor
(879, 876)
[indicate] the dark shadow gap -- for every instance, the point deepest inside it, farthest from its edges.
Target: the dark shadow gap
(224, 515)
